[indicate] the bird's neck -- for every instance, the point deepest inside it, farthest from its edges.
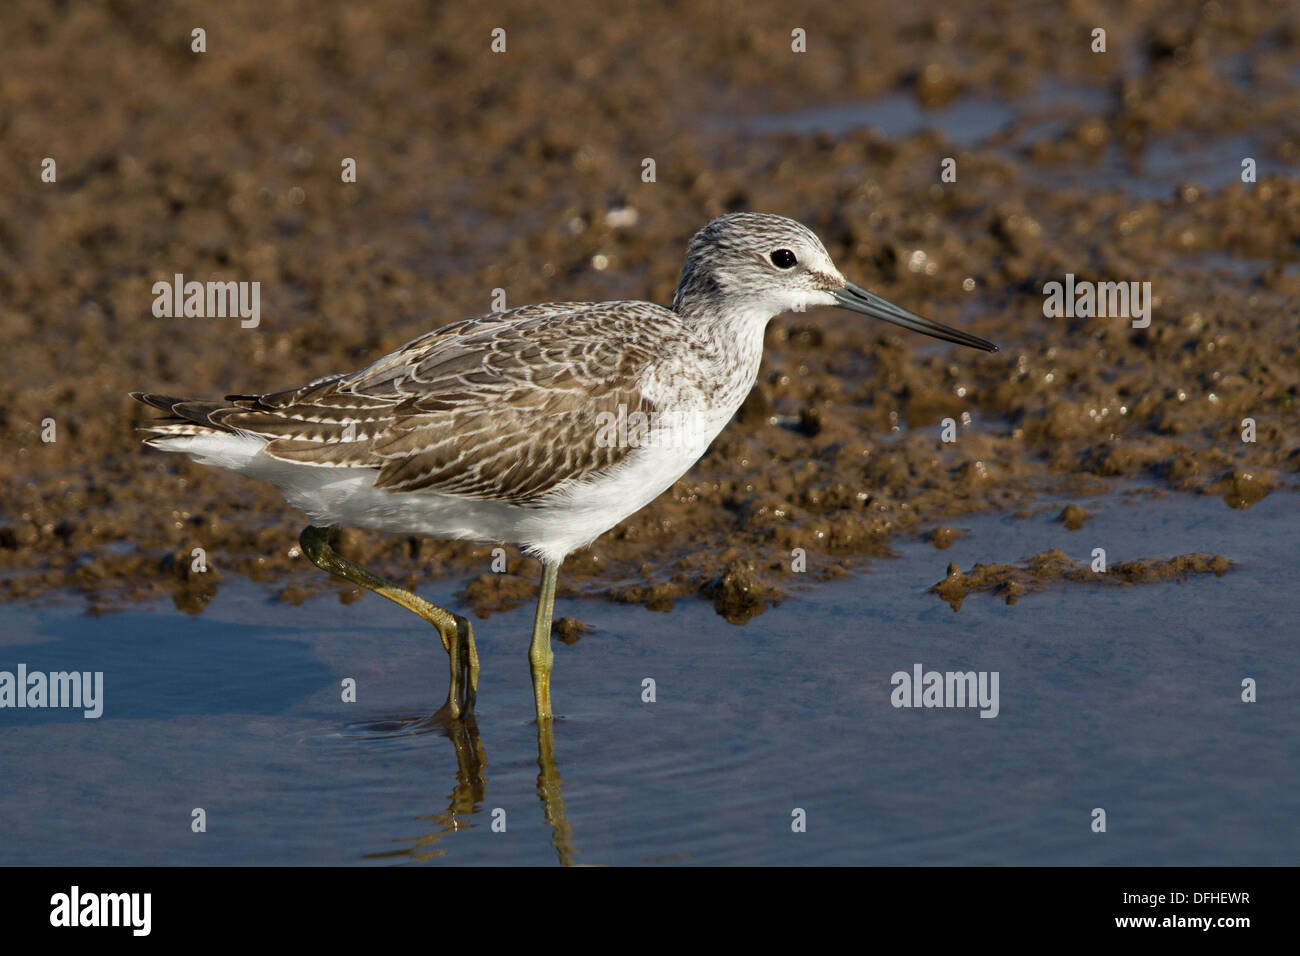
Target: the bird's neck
(734, 339)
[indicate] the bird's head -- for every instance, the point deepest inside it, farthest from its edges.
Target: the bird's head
(763, 265)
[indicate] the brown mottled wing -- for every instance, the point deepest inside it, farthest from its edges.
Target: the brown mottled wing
(503, 407)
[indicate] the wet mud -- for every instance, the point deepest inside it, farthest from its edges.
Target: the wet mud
(522, 171)
(1015, 581)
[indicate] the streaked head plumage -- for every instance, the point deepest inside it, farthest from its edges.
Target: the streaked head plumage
(757, 260)
(745, 268)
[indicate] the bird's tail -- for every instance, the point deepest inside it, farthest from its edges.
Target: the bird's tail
(185, 417)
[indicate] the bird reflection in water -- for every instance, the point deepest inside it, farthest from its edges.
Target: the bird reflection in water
(468, 794)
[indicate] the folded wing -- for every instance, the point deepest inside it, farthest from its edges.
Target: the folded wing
(504, 407)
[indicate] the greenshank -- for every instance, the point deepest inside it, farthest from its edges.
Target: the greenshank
(541, 427)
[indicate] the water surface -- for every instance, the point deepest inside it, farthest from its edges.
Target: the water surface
(1126, 699)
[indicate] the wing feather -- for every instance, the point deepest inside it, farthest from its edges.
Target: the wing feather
(506, 406)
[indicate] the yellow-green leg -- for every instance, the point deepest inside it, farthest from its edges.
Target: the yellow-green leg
(540, 654)
(455, 631)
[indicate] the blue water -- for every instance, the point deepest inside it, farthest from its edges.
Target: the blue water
(896, 115)
(1123, 698)
(1044, 114)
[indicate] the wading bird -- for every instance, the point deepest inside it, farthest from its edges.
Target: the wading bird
(495, 428)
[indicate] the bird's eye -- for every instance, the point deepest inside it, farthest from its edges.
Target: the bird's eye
(784, 259)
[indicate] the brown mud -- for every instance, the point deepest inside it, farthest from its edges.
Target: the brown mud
(1014, 582)
(522, 171)
(1073, 516)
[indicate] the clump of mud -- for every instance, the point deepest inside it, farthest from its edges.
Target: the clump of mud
(569, 630)
(1073, 517)
(523, 172)
(739, 593)
(943, 536)
(1242, 488)
(1015, 581)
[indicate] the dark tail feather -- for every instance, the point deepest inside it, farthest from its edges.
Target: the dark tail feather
(183, 414)
(162, 402)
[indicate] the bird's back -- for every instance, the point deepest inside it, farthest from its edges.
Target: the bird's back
(504, 406)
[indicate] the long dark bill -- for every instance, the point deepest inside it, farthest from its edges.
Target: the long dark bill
(857, 299)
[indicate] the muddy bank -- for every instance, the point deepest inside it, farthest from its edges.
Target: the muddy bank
(522, 171)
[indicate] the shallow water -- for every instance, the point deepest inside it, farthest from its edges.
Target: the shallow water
(966, 121)
(1125, 698)
(1013, 126)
